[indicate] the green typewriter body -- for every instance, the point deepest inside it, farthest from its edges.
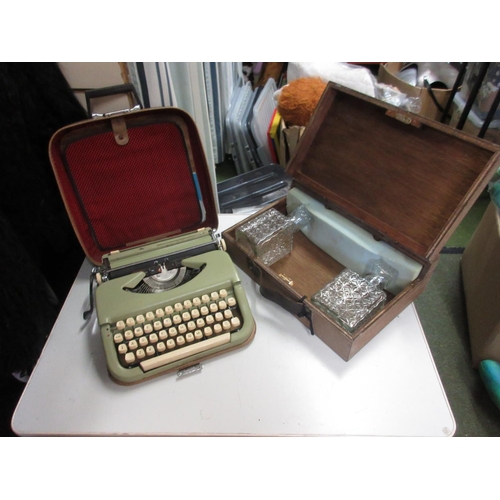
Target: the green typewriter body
(139, 195)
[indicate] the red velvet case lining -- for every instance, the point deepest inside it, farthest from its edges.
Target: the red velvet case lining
(118, 195)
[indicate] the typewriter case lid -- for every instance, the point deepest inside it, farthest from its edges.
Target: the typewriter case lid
(134, 178)
(406, 179)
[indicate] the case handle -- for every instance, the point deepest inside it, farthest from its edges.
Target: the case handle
(297, 308)
(126, 88)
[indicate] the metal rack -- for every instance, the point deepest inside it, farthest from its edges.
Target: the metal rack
(483, 69)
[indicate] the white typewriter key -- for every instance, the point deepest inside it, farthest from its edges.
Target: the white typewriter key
(160, 313)
(162, 334)
(222, 305)
(133, 344)
(226, 325)
(209, 319)
(177, 319)
(150, 350)
(130, 322)
(140, 353)
(186, 317)
(180, 340)
(231, 301)
(214, 295)
(178, 307)
(167, 322)
(129, 357)
(118, 338)
(213, 308)
(172, 331)
(150, 316)
(217, 328)
(196, 301)
(235, 322)
(223, 293)
(188, 304)
(169, 310)
(228, 314)
(195, 313)
(219, 317)
(153, 338)
(200, 323)
(189, 337)
(122, 348)
(120, 325)
(182, 329)
(157, 325)
(148, 328)
(205, 299)
(138, 331)
(170, 343)
(140, 318)
(160, 347)
(208, 331)
(143, 341)
(191, 326)
(129, 334)
(198, 334)
(204, 310)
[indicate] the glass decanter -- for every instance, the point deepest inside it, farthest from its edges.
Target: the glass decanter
(270, 235)
(351, 299)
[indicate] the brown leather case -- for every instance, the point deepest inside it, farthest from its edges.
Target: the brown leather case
(407, 180)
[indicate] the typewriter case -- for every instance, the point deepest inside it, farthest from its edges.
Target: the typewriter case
(133, 181)
(407, 180)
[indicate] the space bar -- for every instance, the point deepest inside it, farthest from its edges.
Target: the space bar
(184, 352)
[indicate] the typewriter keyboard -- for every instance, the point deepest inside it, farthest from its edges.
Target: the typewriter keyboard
(169, 334)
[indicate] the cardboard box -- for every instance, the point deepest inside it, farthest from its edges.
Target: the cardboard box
(481, 280)
(387, 74)
(289, 140)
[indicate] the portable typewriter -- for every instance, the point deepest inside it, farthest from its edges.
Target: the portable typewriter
(138, 192)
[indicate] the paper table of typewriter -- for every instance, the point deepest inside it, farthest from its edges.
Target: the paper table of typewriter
(139, 195)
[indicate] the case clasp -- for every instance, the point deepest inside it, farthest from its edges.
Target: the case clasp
(404, 118)
(119, 126)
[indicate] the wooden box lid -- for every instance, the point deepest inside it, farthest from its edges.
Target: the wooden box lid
(132, 179)
(407, 179)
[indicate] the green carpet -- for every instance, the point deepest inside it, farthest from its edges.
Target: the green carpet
(441, 309)
(464, 232)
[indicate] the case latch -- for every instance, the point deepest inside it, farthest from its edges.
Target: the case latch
(404, 118)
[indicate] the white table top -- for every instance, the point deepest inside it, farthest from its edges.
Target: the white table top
(286, 382)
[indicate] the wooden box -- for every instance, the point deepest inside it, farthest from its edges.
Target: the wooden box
(405, 181)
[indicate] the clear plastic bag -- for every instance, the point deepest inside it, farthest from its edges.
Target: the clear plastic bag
(393, 96)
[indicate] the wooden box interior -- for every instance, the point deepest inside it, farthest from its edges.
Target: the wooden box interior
(407, 180)
(303, 272)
